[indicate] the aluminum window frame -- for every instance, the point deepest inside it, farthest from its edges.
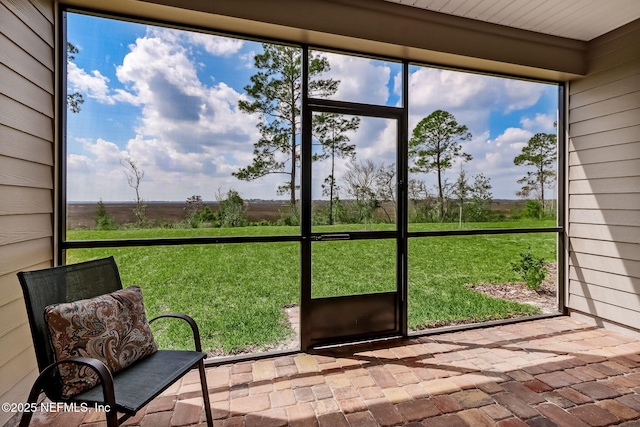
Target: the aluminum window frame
(304, 237)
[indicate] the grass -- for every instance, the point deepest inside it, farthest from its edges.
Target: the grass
(236, 292)
(441, 268)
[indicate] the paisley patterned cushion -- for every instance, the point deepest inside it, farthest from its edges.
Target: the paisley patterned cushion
(112, 328)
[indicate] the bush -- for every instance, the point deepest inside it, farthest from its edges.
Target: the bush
(289, 216)
(204, 216)
(232, 210)
(531, 269)
(533, 209)
(103, 219)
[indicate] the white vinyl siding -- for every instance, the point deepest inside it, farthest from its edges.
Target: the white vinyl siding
(604, 182)
(26, 177)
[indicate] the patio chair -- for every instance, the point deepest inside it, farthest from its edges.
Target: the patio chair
(125, 391)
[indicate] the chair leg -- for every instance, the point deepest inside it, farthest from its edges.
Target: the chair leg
(205, 393)
(112, 418)
(31, 401)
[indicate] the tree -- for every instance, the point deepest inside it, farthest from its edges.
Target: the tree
(479, 207)
(461, 189)
(435, 144)
(420, 200)
(134, 175)
(474, 199)
(103, 220)
(275, 92)
(193, 205)
(195, 211)
(540, 153)
(386, 188)
(232, 209)
(371, 186)
(330, 130)
(74, 100)
(361, 187)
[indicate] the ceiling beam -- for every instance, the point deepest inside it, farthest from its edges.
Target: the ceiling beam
(375, 27)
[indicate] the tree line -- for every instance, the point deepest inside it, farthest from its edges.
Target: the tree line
(436, 145)
(369, 189)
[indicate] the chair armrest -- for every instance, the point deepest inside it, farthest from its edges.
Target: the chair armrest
(104, 374)
(189, 320)
(106, 382)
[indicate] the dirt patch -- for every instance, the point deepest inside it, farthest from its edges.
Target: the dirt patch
(545, 298)
(293, 319)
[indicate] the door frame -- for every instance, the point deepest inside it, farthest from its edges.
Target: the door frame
(317, 316)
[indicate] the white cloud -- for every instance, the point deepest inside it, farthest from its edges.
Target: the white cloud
(96, 174)
(175, 102)
(247, 59)
(361, 79)
(106, 151)
(512, 137)
(215, 45)
(77, 163)
(93, 84)
(521, 94)
(500, 152)
(541, 123)
(493, 158)
(121, 95)
(189, 136)
(168, 174)
(469, 97)
(497, 161)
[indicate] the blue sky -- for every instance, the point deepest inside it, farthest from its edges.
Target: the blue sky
(168, 100)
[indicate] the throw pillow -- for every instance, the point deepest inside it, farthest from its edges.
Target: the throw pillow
(112, 328)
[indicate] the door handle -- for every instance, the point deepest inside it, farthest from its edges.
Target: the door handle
(328, 237)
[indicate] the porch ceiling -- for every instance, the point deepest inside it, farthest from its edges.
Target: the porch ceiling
(539, 39)
(575, 19)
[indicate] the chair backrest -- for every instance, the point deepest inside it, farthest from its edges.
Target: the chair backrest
(62, 284)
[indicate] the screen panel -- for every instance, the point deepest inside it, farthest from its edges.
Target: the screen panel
(455, 280)
(482, 149)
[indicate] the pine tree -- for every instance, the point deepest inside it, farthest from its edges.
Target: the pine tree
(540, 153)
(275, 93)
(435, 144)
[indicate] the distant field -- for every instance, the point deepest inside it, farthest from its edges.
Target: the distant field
(82, 215)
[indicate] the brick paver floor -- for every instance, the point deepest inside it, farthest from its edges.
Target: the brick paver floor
(550, 372)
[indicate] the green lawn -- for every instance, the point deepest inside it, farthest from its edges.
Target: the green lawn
(236, 292)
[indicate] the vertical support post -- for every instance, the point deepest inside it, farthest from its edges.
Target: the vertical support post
(402, 214)
(305, 208)
(60, 145)
(562, 200)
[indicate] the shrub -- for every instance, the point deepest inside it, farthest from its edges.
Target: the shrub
(289, 216)
(533, 209)
(531, 269)
(206, 215)
(103, 220)
(232, 210)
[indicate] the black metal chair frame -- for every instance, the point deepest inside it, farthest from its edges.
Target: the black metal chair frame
(65, 284)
